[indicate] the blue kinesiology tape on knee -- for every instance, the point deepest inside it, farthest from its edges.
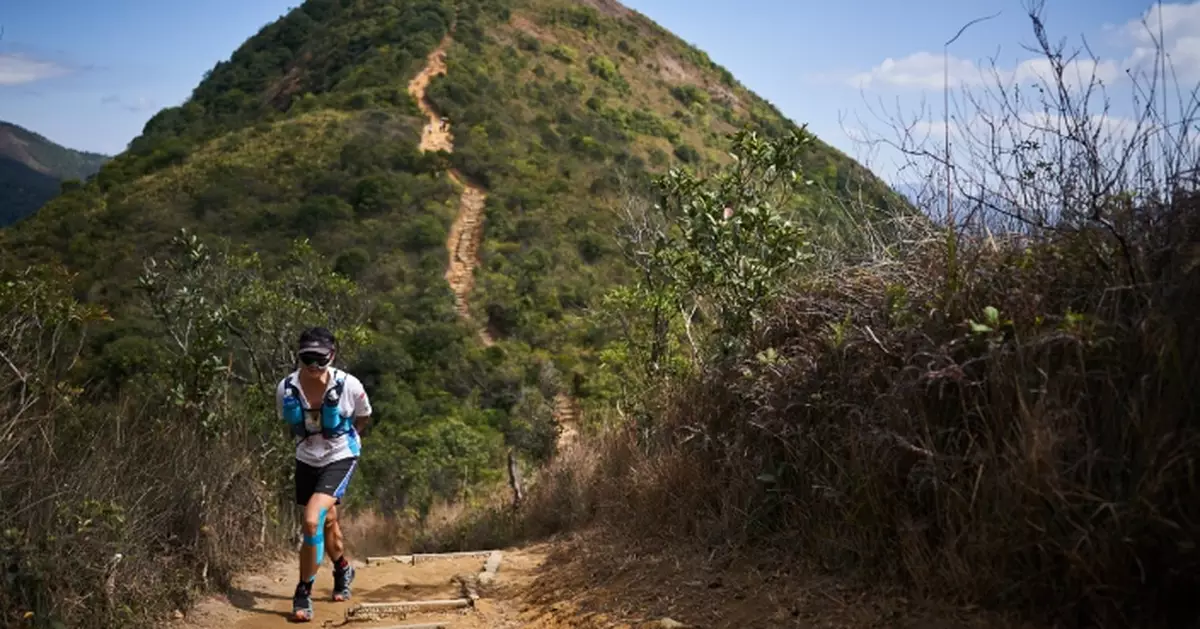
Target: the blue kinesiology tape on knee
(317, 542)
(320, 538)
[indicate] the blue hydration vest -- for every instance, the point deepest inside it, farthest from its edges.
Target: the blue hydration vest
(333, 423)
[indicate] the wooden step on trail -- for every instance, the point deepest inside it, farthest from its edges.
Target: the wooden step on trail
(389, 559)
(420, 625)
(469, 584)
(424, 557)
(482, 554)
(378, 611)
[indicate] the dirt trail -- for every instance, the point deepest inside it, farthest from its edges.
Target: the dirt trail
(566, 412)
(264, 600)
(467, 230)
(433, 136)
(466, 233)
(590, 580)
(535, 588)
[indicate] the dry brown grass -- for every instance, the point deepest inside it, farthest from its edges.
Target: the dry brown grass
(116, 525)
(118, 507)
(1045, 467)
(564, 494)
(369, 533)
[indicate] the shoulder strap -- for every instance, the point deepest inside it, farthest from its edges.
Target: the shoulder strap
(338, 388)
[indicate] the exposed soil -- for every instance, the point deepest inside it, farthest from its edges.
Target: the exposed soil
(433, 136)
(466, 232)
(566, 413)
(598, 579)
(528, 27)
(593, 580)
(463, 246)
(263, 600)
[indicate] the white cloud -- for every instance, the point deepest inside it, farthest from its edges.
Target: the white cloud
(920, 70)
(1077, 74)
(1032, 125)
(1178, 21)
(925, 70)
(19, 69)
(1180, 25)
(987, 144)
(1180, 32)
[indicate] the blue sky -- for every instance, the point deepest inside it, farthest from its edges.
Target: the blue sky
(89, 74)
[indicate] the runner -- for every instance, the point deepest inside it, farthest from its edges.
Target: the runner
(326, 409)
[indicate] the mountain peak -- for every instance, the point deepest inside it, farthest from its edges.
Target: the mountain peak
(557, 109)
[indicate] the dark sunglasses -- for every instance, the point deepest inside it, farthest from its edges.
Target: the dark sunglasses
(309, 358)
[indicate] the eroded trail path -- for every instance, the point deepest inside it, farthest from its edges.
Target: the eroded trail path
(566, 413)
(466, 233)
(467, 230)
(587, 580)
(263, 600)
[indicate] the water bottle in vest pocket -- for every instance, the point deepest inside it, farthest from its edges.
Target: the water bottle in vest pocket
(293, 411)
(331, 412)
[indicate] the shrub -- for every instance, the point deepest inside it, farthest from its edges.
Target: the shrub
(603, 67)
(563, 53)
(153, 481)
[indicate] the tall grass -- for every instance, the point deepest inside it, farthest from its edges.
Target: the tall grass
(1046, 464)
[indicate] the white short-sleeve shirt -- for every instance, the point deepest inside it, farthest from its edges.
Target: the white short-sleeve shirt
(316, 450)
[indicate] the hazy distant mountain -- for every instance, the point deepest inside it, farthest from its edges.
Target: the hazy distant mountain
(32, 169)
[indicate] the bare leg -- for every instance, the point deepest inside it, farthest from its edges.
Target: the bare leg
(314, 533)
(335, 545)
(310, 553)
(343, 572)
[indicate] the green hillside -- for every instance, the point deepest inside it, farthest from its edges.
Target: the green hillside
(559, 109)
(291, 190)
(32, 169)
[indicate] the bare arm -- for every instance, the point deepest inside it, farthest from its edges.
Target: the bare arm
(362, 409)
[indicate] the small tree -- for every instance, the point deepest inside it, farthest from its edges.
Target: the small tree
(227, 321)
(711, 255)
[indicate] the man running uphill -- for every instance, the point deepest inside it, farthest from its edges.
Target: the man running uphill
(326, 409)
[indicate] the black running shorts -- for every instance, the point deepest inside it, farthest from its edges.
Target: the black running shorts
(331, 479)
